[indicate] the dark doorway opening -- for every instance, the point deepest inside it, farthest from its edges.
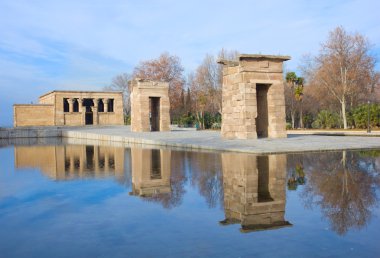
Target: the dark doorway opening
(262, 110)
(90, 157)
(89, 117)
(110, 105)
(154, 104)
(65, 105)
(263, 179)
(155, 172)
(100, 105)
(75, 105)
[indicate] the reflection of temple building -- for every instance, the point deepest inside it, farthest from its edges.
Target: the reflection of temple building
(71, 161)
(151, 171)
(254, 190)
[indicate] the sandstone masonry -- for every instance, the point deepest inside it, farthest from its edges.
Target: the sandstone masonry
(150, 106)
(72, 108)
(253, 97)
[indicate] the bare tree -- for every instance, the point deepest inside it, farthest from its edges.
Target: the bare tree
(206, 85)
(166, 68)
(345, 69)
(120, 83)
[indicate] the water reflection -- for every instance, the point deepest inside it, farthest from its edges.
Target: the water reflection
(250, 189)
(64, 162)
(343, 185)
(150, 172)
(254, 191)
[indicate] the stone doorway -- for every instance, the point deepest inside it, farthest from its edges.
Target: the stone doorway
(89, 115)
(154, 113)
(262, 110)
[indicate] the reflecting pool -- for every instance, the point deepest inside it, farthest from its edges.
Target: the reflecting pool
(108, 201)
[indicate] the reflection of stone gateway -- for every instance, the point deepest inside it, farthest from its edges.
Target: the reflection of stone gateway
(253, 97)
(254, 191)
(151, 170)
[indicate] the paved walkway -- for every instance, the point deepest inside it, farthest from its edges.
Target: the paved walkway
(211, 140)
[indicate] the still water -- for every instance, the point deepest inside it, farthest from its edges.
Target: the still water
(102, 201)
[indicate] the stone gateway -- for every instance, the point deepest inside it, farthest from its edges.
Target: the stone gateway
(253, 104)
(150, 106)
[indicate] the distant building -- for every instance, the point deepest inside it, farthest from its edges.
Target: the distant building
(150, 106)
(71, 108)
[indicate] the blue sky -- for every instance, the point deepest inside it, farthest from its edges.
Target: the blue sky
(71, 44)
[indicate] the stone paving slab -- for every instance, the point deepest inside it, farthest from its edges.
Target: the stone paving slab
(375, 133)
(211, 140)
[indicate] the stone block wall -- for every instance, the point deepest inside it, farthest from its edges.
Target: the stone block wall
(142, 90)
(33, 115)
(241, 101)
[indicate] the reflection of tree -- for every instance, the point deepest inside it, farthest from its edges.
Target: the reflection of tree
(297, 177)
(177, 182)
(342, 186)
(206, 174)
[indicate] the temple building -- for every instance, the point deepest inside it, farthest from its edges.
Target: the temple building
(253, 99)
(150, 106)
(72, 108)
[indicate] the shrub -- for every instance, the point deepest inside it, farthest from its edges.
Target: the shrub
(127, 119)
(360, 115)
(216, 126)
(186, 120)
(210, 119)
(326, 120)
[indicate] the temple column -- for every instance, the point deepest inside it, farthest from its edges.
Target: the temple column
(70, 101)
(82, 110)
(95, 111)
(105, 105)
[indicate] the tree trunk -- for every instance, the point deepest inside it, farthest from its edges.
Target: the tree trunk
(203, 121)
(292, 114)
(343, 102)
(301, 117)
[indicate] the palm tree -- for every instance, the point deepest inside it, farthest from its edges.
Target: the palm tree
(291, 79)
(298, 94)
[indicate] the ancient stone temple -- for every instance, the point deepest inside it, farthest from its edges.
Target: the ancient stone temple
(253, 97)
(150, 106)
(73, 108)
(254, 191)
